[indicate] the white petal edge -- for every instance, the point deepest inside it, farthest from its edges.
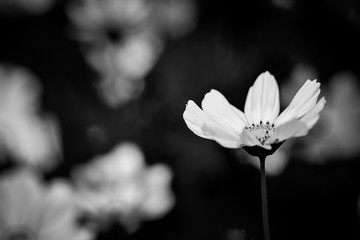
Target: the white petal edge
(262, 102)
(303, 101)
(312, 116)
(292, 128)
(240, 114)
(206, 127)
(218, 107)
(248, 109)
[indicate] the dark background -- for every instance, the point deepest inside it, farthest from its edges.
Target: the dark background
(233, 42)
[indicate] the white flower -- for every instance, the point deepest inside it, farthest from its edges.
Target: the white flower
(260, 124)
(32, 211)
(120, 184)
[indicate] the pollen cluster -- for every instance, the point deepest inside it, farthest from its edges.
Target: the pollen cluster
(262, 131)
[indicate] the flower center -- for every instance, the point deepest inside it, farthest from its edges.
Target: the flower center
(18, 233)
(262, 131)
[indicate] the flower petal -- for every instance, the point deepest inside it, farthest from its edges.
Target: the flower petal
(250, 112)
(249, 139)
(217, 106)
(303, 101)
(312, 116)
(240, 114)
(262, 102)
(293, 128)
(203, 125)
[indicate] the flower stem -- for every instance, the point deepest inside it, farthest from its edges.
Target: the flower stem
(264, 199)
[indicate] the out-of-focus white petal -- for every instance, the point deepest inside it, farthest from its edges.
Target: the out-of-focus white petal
(139, 193)
(8, 215)
(262, 102)
(62, 208)
(62, 232)
(25, 192)
(59, 221)
(33, 140)
(125, 160)
(205, 126)
(217, 106)
(303, 101)
(36, 208)
(293, 128)
(159, 199)
(122, 67)
(312, 116)
(26, 134)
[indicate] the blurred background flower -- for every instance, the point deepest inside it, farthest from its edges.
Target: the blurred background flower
(123, 39)
(30, 209)
(119, 185)
(123, 65)
(26, 134)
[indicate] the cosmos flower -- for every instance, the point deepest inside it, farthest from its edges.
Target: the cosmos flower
(33, 211)
(260, 124)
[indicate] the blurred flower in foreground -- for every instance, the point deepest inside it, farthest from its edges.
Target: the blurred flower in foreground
(28, 135)
(11, 7)
(260, 125)
(337, 136)
(120, 186)
(33, 211)
(123, 39)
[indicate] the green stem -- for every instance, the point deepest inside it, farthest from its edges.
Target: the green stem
(264, 199)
